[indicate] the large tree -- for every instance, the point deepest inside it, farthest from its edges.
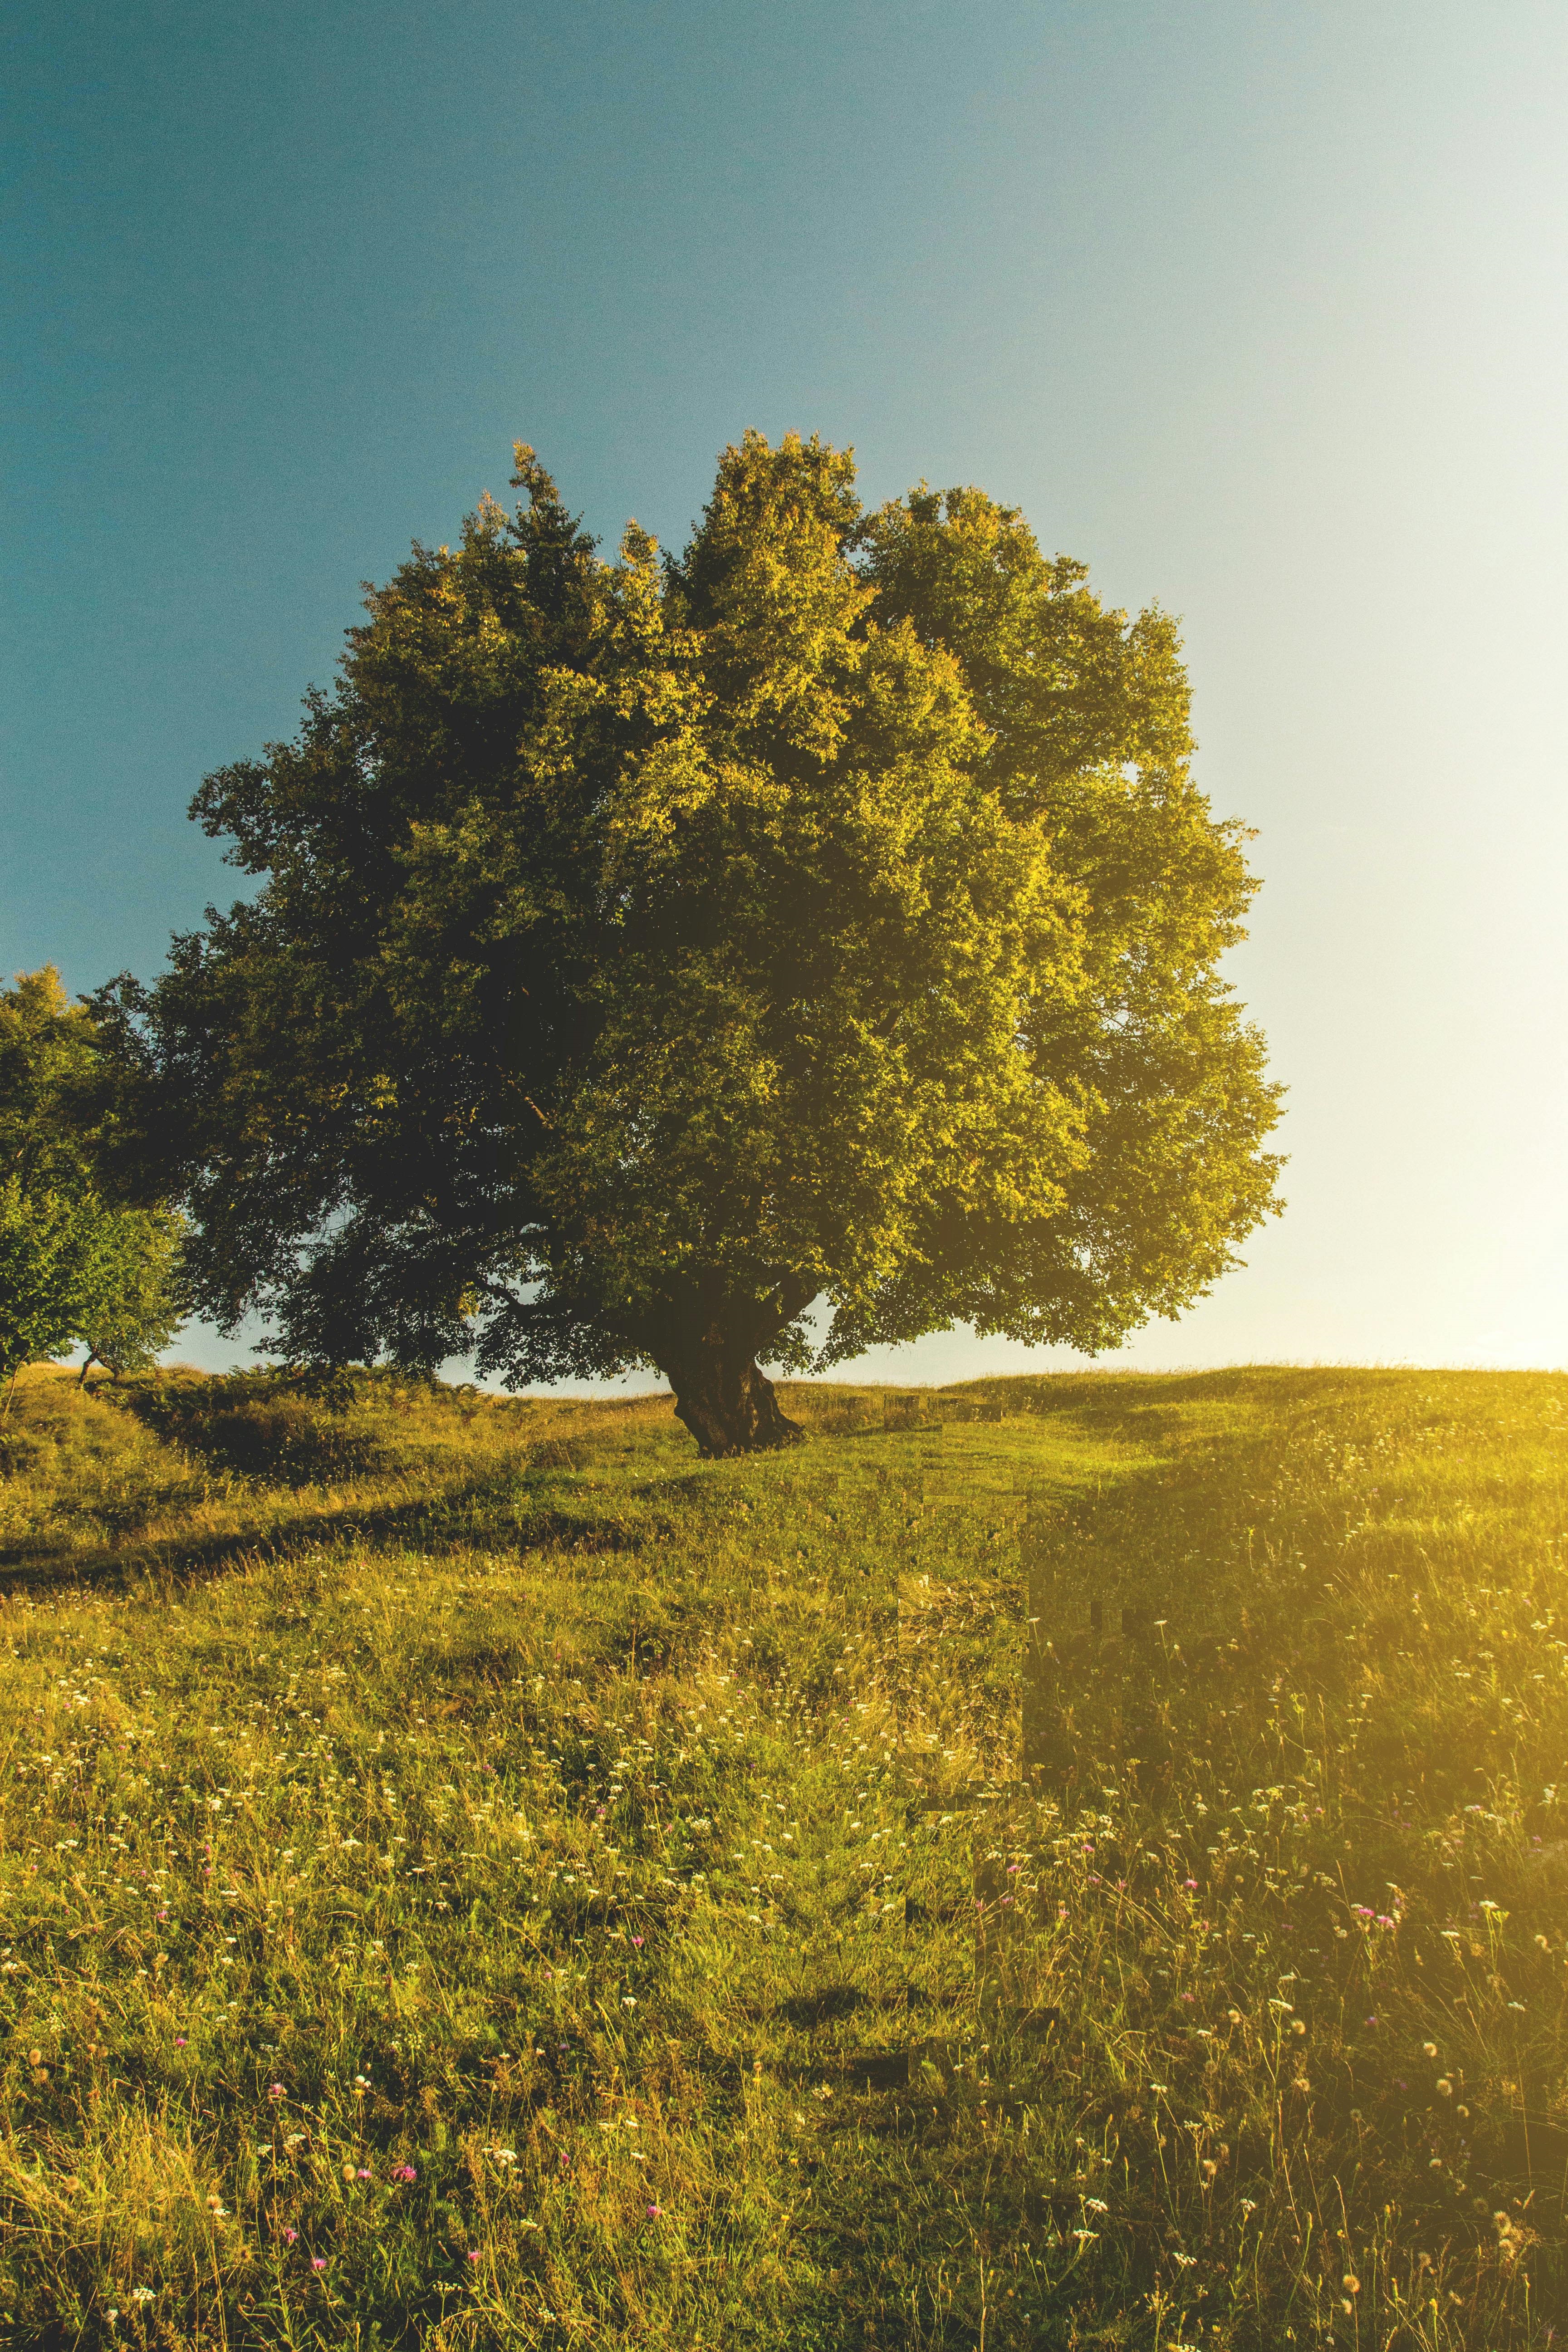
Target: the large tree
(647, 951)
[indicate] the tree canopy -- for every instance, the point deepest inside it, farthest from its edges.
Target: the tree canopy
(647, 951)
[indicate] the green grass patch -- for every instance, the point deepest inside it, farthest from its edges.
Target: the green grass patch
(1063, 1862)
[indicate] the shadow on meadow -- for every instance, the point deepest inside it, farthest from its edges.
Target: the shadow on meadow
(169, 1478)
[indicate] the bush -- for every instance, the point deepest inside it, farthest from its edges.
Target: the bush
(289, 1426)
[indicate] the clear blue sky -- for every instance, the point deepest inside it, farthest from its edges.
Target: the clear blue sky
(1259, 308)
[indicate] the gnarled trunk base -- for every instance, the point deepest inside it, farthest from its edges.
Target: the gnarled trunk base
(706, 1339)
(732, 1407)
(729, 1405)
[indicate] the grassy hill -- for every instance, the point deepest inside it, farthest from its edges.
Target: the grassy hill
(1062, 1862)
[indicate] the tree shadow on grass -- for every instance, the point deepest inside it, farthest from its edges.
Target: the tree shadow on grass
(483, 1515)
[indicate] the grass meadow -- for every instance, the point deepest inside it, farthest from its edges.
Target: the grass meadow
(1061, 1861)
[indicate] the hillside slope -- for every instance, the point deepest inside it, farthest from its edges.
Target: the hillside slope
(1065, 1861)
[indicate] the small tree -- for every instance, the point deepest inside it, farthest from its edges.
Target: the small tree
(40, 1265)
(132, 1298)
(649, 950)
(73, 1268)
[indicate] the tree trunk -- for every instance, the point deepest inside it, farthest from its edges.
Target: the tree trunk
(707, 1352)
(730, 1406)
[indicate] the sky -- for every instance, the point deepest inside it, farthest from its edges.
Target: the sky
(1258, 309)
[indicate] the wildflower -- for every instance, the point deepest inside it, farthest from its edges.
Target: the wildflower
(402, 2172)
(1095, 2205)
(289, 2235)
(1443, 2087)
(363, 2173)
(1351, 2283)
(142, 2294)
(1184, 2262)
(473, 2253)
(654, 2212)
(318, 2262)
(275, 2090)
(1430, 2048)
(637, 1940)
(348, 2172)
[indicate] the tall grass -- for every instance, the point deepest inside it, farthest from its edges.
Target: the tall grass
(472, 1874)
